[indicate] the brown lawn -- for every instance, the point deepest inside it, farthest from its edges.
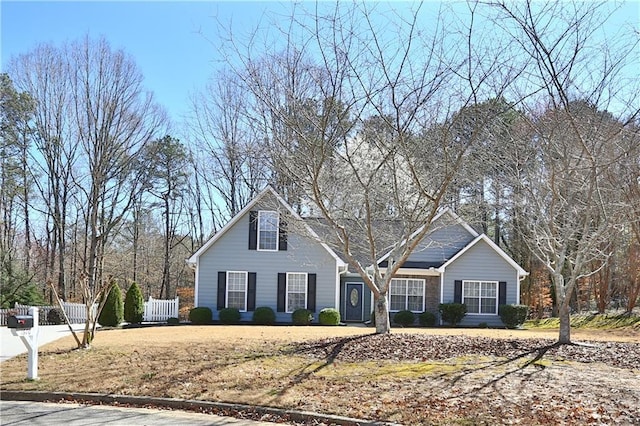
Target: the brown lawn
(500, 377)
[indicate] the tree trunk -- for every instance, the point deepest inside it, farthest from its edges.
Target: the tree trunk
(565, 323)
(383, 325)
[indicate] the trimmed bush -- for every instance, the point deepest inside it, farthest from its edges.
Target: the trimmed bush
(229, 315)
(427, 319)
(264, 315)
(55, 317)
(113, 311)
(513, 316)
(173, 321)
(301, 317)
(329, 316)
(200, 315)
(452, 313)
(134, 305)
(404, 318)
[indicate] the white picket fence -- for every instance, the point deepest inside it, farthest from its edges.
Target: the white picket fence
(77, 312)
(160, 310)
(155, 310)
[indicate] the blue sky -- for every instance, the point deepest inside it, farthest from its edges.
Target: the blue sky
(173, 43)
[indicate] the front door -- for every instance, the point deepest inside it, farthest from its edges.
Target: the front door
(353, 302)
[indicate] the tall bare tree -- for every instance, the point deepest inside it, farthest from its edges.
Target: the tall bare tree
(573, 73)
(359, 115)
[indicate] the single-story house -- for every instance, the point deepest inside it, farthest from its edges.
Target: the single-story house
(254, 261)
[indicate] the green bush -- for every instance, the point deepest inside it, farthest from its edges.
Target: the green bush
(427, 319)
(113, 311)
(513, 316)
(264, 315)
(134, 305)
(200, 315)
(404, 318)
(173, 321)
(329, 316)
(301, 317)
(229, 315)
(55, 317)
(452, 312)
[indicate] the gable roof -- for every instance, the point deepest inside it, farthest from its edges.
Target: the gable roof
(494, 246)
(266, 191)
(457, 219)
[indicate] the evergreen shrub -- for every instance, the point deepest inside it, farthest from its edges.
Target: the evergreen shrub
(264, 315)
(229, 315)
(513, 316)
(329, 316)
(134, 305)
(452, 313)
(113, 311)
(173, 321)
(200, 315)
(427, 319)
(301, 317)
(55, 317)
(404, 318)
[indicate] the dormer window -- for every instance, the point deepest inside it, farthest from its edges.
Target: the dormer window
(267, 230)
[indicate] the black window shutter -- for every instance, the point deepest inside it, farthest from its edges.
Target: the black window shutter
(251, 292)
(502, 293)
(222, 289)
(282, 236)
(253, 230)
(457, 291)
(282, 291)
(311, 292)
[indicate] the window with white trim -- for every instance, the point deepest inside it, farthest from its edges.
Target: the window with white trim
(237, 290)
(268, 230)
(481, 297)
(406, 294)
(296, 291)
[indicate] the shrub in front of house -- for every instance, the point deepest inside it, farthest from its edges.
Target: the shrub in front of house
(427, 319)
(200, 315)
(452, 313)
(301, 317)
(264, 315)
(55, 317)
(513, 316)
(173, 321)
(134, 305)
(229, 316)
(112, 313)
(404, 318)
(329, 316)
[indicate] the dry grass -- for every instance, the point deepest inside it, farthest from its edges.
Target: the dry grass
(246, 364)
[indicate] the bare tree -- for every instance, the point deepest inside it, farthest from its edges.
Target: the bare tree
(572, 76)
(360, 120)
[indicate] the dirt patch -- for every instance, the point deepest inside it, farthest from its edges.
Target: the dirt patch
(417, 376)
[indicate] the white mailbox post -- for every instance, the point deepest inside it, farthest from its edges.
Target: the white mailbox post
(29, 336)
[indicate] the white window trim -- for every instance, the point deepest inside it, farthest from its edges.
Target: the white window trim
(306, 290)
(246, 289)
(464, 282)
(260, 212)
(406, 296)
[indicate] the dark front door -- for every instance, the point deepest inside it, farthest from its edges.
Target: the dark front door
(353, 302)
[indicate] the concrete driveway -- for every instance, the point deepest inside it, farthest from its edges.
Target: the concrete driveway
(28, 413)
(11, 345)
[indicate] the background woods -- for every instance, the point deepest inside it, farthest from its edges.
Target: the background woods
(530, 132)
